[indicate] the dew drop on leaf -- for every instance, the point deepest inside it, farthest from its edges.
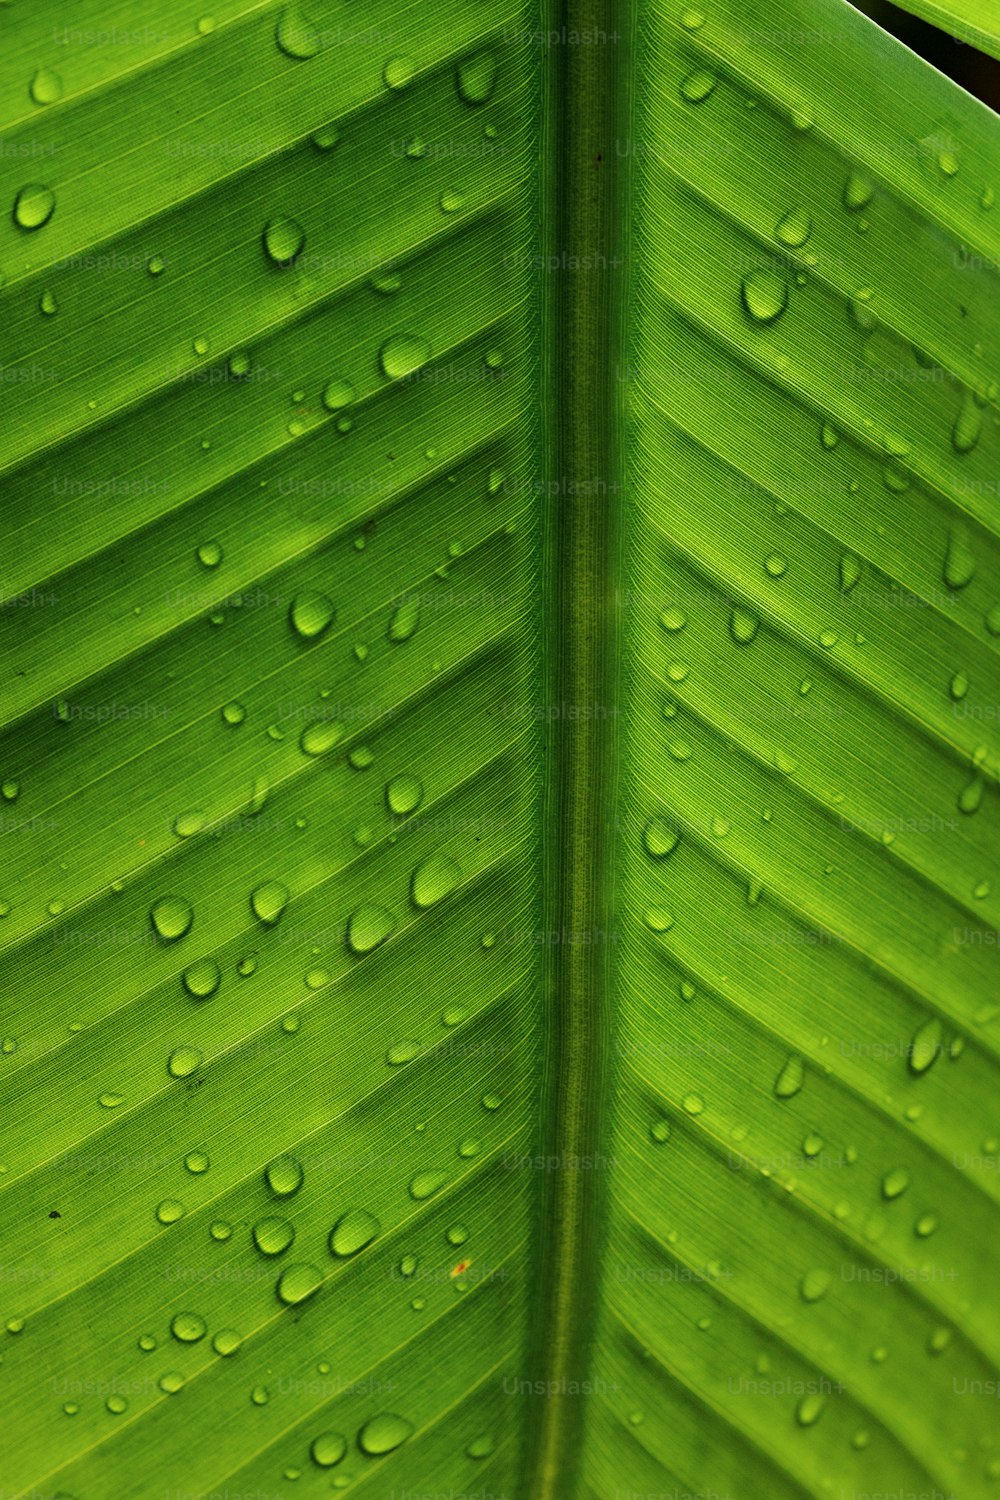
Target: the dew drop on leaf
(268, 902)
(327, 1449)
(743, 625)
(925, 1048)
(433, 879)
(765, 295)
(794, 229)
(320, 736)
(476, 77)
(894, 1183)
(425, 1184)
(188, 1327)
(659, 838)
(404, 620)
(859, 189)
(959, 563)
(791, 1077)
(968, 426)
(296, 35)
(172, 918)
(202, 978)
(297, 1283)
(284, 239)
(272, 1236)
(337, 394)
(352, 1232)
(369, 926)
(169, 1210)
(404, 795)
(226, 1342)
(403, 355)
(814, 1285)
(34, 206)
(183, 1061)
(697, 86)
(284, 1176)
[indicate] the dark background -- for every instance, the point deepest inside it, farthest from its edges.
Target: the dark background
(974, 71)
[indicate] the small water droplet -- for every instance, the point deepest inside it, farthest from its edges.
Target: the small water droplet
(272, 1236)
(433, 879)
(284, 1176)
(743, 625)
(791, 1078)
(284, 239)
(403, 355)
(310, 614)
(296, 35)
(188, 1327)
(398, 72)
(337, 394)
(326, 138)
(425, 1184)
(968, 425)
(794, 229)
(895, 1182)
(384, 1434)
(765, 295)
(859, 189)
(369, 926)
(169, 1210)
(776, 565)
(268, 902)
(925, 1048)
(659, 1131)
(298, 1283)
(850, 571)
(327, 1449)
(659, 838)
(814, 1285)
(959, 563)
(183, 1061)
(404, 795)
(320, 736)
(697, 86)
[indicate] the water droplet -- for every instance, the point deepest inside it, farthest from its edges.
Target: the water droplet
(369, 926)
(326, 138)
(404, 795)
(697, 86)
(260, 1395)
(925, 1226)
(791, 1077)
(968, 425)
(337, 394)
(947, 162)
(327, 1449)
(403, 355)
(433, 879)
(850, 571)
(383, 1434)
(794, 229)
(168, 1211)
(297, 1283)
(284, 1176)
(172, 918)
(34, 206)
(284, 239)
(425, 1184)
(925, 1048)
(742, 625)
(268, 902)
(859, 189)
(188, 1327)
(183, 1061)
(959, 563)
(971, 796)
(658, 919)
(202, 978)
(226, 1342)
(659, 1131)
(48, 305)
(210, 554)
(476, 78)
(221, 1231)
(398, 72)
(296, 35)
(46, 87)
(776, 565)
(10, 791)
(814, 1285)
(958, 686)
(404, 620)
(186, 824)
(765, 295)
(272, 1236)
(810, 1409)
(659, 839)
(320, 736)
(353, 1231)
(895, 1182)
(197, 1162)
(939, 1340)
(233, 713)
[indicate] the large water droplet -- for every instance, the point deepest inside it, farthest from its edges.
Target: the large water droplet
(46, 87)
(425, 1184)
(968, 425)
(202, 978)
(188, 1327)
(743, 625)
(268, 902)
(814, 1285)
(398, 72)
(369, 926)
(794, 229)
(320, 736)
(404, 795)
(476, 77)
(353, 1231)
(272, 1236)
(697, 86)
(297, 1283)
(383, 1434)
(337, 394)
(296, 35)
(859, 189)
(433, 879)
(790, 1079)
(403, 355)
(765, 295)
(34, 206)
(284, 1176)
(895, 1182)
(310, 614)
(172, 917)
(183, 1061)
(283, 239)
(327, 1449)
(659, 838)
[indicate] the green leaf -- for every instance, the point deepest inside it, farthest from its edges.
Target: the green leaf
(972, 23)
(499, 753)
